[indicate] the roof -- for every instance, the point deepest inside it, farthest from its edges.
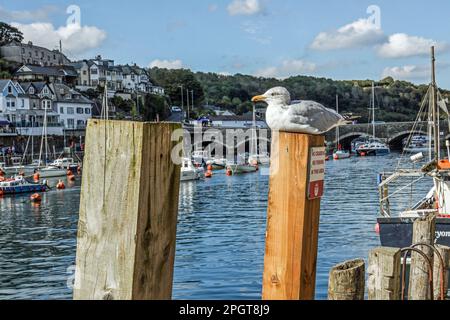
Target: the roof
(3, 84)
(49, 71)
(62, 93)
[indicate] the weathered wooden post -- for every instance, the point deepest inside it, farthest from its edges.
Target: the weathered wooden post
(128, 212)
(419, 285)
(296, 185)
(384, 274)
(347, 281)
(438, 284)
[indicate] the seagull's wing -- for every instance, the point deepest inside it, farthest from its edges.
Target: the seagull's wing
(315, 115)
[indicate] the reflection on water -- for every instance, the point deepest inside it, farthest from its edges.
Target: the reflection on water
(220, 240)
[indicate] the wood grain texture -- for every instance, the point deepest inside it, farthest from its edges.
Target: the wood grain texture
(128, 212)
(384, 274)
(347, 281)
(445, 254)
(423, 232)
(292, 221)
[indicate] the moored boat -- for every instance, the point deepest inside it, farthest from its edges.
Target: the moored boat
(19, 184)
(241, 168)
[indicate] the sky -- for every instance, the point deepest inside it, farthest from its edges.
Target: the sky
(343, 40)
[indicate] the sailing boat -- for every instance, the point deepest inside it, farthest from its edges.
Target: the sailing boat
(41, 167)
(373, 146)
(339, 153)
(397, 231)
(255, 158)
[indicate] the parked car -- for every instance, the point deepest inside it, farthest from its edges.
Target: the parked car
(176, 109)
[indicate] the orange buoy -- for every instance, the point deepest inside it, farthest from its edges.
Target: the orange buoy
(36, 177)
(363, 154)
(229, 172)
(208, 174)
(36, 198)
(60, 185)
(69, 172)
(210, 167)
(79, 169)
(71, 178)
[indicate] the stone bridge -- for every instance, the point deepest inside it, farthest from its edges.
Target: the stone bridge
(392, 133)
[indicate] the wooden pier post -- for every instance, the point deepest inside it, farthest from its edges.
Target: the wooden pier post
(128, 212)
(423, 232)
(445, 254)
(293, 217)
(384, 274)
(347, 281)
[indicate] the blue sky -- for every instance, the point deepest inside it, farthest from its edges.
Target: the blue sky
(280, 38)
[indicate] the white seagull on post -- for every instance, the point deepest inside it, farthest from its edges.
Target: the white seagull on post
(304, 117)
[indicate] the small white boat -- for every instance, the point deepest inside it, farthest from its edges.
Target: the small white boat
(51, 172)
(259, 159)
(188, 171)
(200, 157)
(217, 164)
(241, 168)
(64, 163)
(341, 154)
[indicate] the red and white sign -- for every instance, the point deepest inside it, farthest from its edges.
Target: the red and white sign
(316, 173)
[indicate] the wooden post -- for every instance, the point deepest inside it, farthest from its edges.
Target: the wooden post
(128, 212)
(445, 254)
(384, 274)
(423, 232)
(347, 281)
(293, 220)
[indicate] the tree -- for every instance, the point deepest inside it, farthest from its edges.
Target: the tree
(9, 34)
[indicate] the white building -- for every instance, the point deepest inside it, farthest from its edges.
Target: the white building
(73, 108)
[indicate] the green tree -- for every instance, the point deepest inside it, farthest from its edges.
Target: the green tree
(9, 34)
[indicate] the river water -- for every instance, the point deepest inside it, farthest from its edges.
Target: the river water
(220, 240)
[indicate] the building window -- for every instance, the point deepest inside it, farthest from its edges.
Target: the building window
(80, 123)
(80, 110)
(61, 110)
(9, 89)
(23, 50)
(31, 90)
(87, 111)
(46, 104)
(23, 103)
(84, 72)
(70, 110)
(94, 71)
(70, 123)
(36, 53)
(13, 104)
(8, 104)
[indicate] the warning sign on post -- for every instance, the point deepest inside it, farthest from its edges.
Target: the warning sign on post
(316, 173)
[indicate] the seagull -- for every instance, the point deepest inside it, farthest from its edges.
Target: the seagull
(302, 117)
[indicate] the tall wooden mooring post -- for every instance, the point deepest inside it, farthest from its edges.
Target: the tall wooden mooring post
(128, 212)
(296, 185)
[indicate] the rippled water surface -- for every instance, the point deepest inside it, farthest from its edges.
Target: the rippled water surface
(220, 241)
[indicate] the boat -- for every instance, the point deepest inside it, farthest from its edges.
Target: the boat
(217, 164)
(373, 146)
(188, 171)
(200, 158)
(65, 163)
(241, 168)
(416, 145)
(51, 172)
(339, 154)
(19, 184)
(256, 157)
(395, 225)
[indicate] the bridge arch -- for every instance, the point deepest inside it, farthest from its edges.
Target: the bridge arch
(395, 142)
(346, 139)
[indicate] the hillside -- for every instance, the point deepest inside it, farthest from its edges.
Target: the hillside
(395, 100)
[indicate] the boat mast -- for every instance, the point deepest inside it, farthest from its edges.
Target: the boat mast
(373, 109)
(434, 105)
(337, 129)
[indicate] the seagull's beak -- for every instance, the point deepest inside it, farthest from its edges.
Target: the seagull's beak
(259, 98)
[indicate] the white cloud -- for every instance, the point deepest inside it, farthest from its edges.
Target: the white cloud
(27, 15)
(244, 7)
(362, 32)
(76, 39)
(409, 72)
(166, 64)
(287, 68)
(401, 45)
